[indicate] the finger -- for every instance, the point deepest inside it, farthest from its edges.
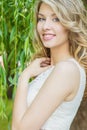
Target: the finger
(44, 65)
(45, 59)
(47, 67)
(45, 62)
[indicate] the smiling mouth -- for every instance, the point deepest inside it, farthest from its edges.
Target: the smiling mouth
(47, 37)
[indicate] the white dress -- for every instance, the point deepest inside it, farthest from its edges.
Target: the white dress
(63, 116)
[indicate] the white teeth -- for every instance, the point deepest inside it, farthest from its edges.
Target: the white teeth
(48, 36)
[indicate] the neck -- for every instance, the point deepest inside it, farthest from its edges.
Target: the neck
(60, 54)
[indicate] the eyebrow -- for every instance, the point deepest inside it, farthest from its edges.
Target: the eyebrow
(43, 14)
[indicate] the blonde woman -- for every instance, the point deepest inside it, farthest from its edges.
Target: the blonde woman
(52, 99)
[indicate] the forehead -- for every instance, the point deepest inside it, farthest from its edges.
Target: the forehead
(45, 9)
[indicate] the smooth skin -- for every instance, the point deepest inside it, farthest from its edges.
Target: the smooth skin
(61, 85)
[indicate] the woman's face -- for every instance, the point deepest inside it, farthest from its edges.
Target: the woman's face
(50, 30)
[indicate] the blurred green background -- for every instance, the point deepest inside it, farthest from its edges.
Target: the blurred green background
(16, 49)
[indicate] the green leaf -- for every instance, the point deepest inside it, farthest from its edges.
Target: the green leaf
(0, 32)
(5, 29)
(5, 61)
(26, 45)
(21, 15)
(13, 33)
(22, 59)
(13, 80)
(11, 54)
(3, 75)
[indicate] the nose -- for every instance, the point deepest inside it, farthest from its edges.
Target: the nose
(47, 25)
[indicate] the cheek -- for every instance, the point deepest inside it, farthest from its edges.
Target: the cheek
(38, 29)
(63, 32)
(66, 32)
(60, 29)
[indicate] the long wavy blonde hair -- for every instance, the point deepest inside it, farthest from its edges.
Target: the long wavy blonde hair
(73, 16)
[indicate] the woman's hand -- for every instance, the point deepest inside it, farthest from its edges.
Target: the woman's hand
(39, 65)
(36, 67)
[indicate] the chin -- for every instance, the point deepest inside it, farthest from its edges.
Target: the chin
(48, 44)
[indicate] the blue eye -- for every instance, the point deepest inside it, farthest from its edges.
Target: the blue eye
(41, 19)
(56, 20)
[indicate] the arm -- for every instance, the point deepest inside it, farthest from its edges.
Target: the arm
(55, 90)
(20, 104)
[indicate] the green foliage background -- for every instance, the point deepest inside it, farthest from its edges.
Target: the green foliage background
(16, 25)
(16, 34)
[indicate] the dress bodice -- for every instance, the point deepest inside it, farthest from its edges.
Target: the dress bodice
(63, 116)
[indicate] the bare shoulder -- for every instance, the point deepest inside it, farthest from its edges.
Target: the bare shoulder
(67, 67)
(70, 74)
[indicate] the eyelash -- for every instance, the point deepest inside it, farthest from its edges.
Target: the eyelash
(43, 19)
(56, 20)
(40, 19)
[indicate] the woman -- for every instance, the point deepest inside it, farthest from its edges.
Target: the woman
(52, 99)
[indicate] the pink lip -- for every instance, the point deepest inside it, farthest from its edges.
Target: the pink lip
(47, 37)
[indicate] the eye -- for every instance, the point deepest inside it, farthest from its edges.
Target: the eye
(55, 19)
(41, 19)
